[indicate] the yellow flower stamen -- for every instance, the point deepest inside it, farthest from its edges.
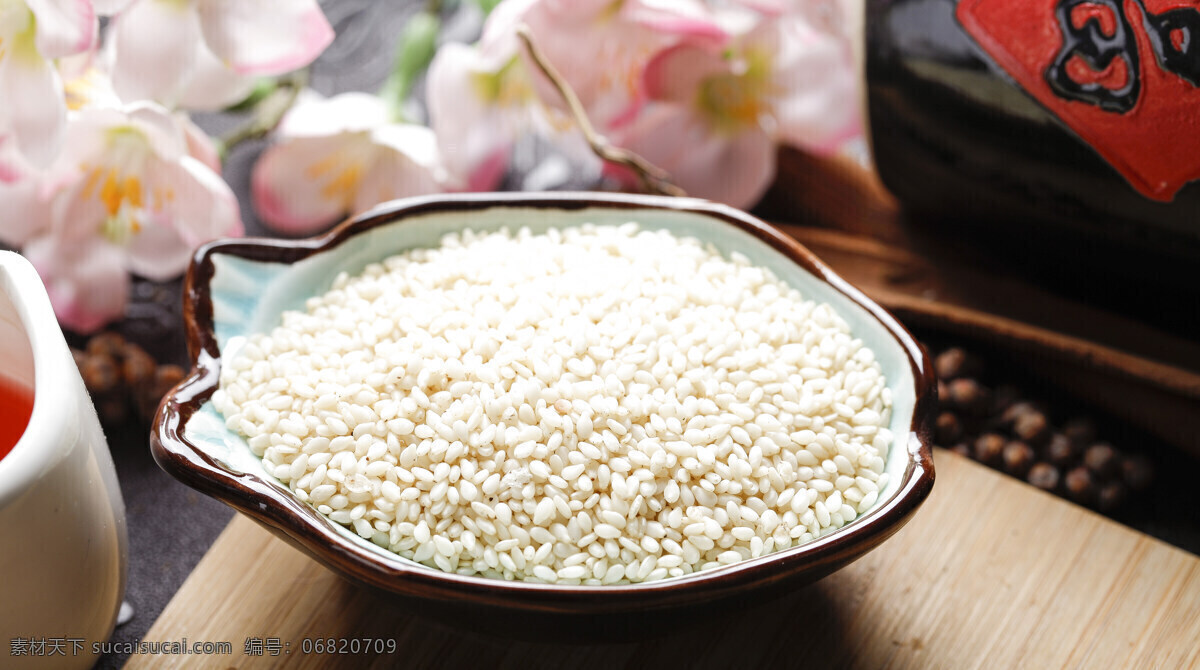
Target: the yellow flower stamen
(733, 100)
(123, 198)
(340, 172)
(343, 186)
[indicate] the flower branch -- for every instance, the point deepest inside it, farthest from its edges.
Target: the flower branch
(267, 112)
(652, 179)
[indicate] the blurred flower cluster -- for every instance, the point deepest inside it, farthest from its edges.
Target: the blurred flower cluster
(102, 173)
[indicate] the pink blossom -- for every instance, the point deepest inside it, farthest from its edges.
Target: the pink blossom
(33, 33)
(601, 47)
(338, 156)
(24, 210)
(484, 98)
(125, 195)
(715, 115)
(204, 54)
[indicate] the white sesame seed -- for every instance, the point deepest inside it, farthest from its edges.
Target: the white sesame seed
(563, 410)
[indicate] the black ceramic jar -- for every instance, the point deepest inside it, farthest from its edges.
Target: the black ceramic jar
(1063, 134)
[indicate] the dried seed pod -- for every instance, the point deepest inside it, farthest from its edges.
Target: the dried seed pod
(100, 374)
(107, 344)
(947, 429)
(1032, 427)
(968, 396)
(1102, 460)
(1044, 476)
(1138, 472)
(1018, 458)
(138, 367)
(989, 448)
(955, 362)
(1110, 496)
(1061, 451)
(1081, 431)
(1080, 486)
(1010, 416)
(943, 393)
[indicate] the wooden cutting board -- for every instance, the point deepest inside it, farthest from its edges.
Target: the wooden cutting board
(989, 573)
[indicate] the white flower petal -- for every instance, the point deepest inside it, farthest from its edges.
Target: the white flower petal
(155, 46)
(203, 207)
(25, 214)
(110, 7)
(213, 86)
(64, 27)
(36, 125)
(199, 144)
(406, 164)
(471, 131)
(265, 37)
(314, 116)
(86, 280)
(820, 108)
(162, 130)
(303, 185)
(734, 169)
(157, 251)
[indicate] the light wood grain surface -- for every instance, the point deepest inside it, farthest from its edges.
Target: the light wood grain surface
(989, 573)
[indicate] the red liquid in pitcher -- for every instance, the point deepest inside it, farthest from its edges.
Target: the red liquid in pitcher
(16, 404)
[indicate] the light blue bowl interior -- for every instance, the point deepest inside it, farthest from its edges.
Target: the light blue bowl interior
(248, 297)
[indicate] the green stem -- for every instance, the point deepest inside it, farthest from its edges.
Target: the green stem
(267, 113)
(415, 49)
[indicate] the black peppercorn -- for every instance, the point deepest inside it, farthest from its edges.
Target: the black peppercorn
(1044, 476)
(1006, 429)
(1110, 496)
(1081, 431)
(1018, 458)
(1015, 411)
(1080, 486)
(1061, 451)
(947, 429)
(1138, 472)
(955, 362)
(1032, 427)
(989, 449)
(968, 396)
(1102, 460)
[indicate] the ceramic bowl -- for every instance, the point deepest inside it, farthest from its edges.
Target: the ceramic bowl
(238, 287)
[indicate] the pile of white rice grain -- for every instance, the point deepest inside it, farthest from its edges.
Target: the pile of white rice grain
(593, 405)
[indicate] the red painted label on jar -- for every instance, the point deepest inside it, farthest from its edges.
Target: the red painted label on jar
(1124, 75)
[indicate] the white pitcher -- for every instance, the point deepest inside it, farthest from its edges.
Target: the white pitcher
(63, 545)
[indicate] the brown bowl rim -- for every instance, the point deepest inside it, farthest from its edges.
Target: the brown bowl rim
(280, 512)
